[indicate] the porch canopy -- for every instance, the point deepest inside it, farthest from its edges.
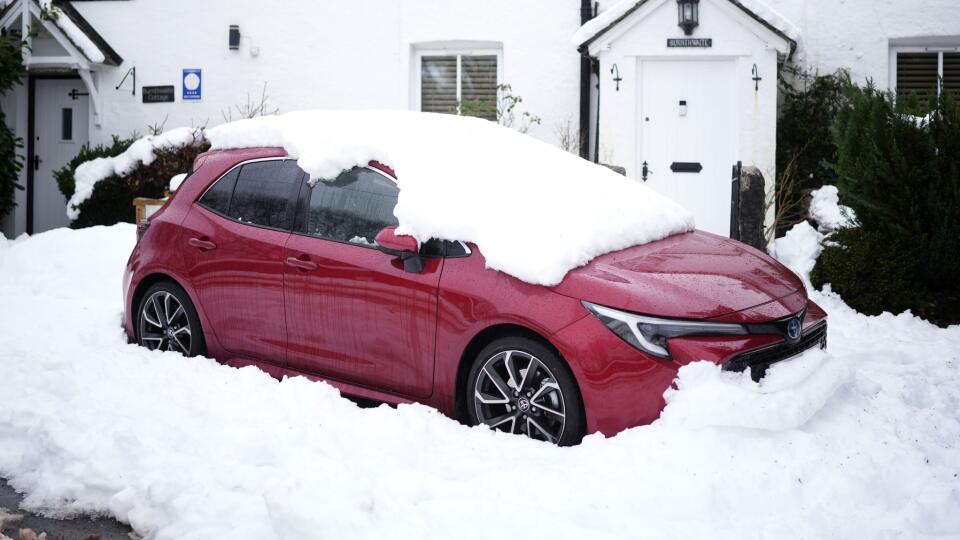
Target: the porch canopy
(62, 41)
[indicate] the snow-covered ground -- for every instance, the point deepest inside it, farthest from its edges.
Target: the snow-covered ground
(858, 442)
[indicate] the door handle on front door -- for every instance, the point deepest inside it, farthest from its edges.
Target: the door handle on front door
(36, 162)
(202, 243)
(302, 262)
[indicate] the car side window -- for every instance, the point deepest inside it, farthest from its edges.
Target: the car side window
(265, 193)
(353, 208)
(217, 197)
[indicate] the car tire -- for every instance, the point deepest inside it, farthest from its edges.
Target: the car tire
(166, 320)
(502, 392)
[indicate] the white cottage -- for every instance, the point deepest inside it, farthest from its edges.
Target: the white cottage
(673, 91)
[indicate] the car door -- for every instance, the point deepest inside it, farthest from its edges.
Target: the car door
(233, 240)
(353, 313)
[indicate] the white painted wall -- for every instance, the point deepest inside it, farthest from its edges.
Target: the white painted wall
(324, 54)
(856, 34)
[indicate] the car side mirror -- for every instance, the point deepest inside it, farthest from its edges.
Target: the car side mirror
(402, 246)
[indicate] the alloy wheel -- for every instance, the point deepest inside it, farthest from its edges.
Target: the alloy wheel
(164, 324)
(516, 392)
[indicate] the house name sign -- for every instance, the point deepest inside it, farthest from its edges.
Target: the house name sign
(690, 42)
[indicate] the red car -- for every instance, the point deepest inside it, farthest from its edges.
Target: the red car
(250, 263)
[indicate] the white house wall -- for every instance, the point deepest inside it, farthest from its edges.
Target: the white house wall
(324, 54)
(856, 34)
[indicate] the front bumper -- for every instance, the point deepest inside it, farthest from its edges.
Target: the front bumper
(622, 387)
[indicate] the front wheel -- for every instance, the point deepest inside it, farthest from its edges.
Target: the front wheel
(167, 321)
(520, 386)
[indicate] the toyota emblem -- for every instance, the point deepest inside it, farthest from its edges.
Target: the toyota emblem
(793, 329)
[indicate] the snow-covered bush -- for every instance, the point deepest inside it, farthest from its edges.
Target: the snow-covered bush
(805, 146)
(900, 176)
(101, 182)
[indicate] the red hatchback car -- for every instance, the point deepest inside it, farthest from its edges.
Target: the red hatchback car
(250, 263)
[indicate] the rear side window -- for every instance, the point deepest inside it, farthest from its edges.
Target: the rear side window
(353, 208)
(217, 197)
(265, 193)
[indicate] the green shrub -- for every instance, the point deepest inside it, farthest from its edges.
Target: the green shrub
(64, 176)
(869, 273)
(805, 147)
(11, 161)
(901, 176)
(112, 198)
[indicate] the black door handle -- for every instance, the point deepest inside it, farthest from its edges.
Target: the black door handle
(36, 162)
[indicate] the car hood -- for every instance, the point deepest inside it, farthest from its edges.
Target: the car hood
(694, 275)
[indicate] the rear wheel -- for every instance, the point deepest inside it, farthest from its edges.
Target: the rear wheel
(167, 320)
(520, 386)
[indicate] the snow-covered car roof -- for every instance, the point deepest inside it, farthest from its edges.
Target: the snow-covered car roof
(535, 211)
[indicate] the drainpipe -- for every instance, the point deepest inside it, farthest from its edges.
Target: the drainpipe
(586, 13)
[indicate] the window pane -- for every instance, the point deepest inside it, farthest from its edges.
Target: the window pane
(66, 124)
(217, 197)
(917, 75)
(265, 192)
(353, 208)
(438, 84)
(478, 86)
(951, 74)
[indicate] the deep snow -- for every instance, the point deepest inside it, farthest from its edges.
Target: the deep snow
(469, 179)
(857, 442)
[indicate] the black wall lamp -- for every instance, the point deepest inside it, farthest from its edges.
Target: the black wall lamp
(688, 15)
(234, 37)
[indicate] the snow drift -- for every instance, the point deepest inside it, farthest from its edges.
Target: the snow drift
(535, 211)
(857, 442)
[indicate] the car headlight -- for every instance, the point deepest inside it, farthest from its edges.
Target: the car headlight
(650, 334)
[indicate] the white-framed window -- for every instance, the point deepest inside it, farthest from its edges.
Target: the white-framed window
(925, 70)
(458, 77)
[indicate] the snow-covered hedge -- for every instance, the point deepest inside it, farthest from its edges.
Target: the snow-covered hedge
(101, 189)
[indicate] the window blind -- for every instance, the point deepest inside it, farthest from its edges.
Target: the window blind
(438, 84)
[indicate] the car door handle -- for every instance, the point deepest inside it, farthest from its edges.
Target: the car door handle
(302, 262)
(203, 244)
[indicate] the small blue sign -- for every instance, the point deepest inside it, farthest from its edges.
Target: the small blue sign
(192, 87)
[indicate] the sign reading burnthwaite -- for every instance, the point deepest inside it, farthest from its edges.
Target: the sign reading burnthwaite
(690, 42)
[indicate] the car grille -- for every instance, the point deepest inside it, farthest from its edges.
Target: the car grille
(757, 361)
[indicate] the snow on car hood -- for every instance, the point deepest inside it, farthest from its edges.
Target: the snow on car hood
(535, 211)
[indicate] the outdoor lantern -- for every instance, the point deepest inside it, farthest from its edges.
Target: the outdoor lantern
(234, 37)
(687, 15)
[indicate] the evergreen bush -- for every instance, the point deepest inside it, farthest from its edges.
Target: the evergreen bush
(805, 146)
(901, 175)
(11, 161)
(112, 198)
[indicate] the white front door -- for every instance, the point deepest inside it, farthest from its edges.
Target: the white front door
(688, 119)
(60, 129)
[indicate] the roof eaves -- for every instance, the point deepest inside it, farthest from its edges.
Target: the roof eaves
(110, 56)
(583, 46)
(792, 42)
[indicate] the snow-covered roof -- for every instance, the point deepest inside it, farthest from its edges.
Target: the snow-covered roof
(82, 34)
(535, 211)
(756, 9)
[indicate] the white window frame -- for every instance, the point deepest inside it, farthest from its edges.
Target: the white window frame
(936, 46)
(453, 48)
